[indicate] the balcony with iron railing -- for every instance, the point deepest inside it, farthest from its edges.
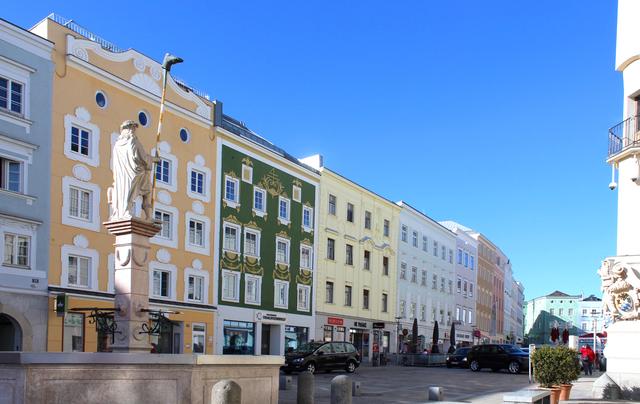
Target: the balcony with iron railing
(624, 135)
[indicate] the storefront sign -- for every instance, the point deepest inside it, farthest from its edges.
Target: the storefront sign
(335, 321)
(378, 325)
(360, 324)
(260, 316)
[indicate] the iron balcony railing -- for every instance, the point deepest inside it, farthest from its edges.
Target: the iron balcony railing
(625, 134)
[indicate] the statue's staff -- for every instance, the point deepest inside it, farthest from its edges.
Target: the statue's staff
(168, 61)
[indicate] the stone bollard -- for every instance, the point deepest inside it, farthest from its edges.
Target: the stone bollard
(226, 392)
(435, 394)
(285, 382)
(341, 390)
(355, 389)
(305, 388)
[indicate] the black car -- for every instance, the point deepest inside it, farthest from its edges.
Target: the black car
(322, 356)
(458, 358)
(498, 356)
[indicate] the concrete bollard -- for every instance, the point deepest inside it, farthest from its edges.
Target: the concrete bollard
(341, 390)
(355, 389)
(435, 394)
(306, 387)
(226, 392)
(285, 382)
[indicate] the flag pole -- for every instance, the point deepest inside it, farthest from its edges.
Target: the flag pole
(168, 61)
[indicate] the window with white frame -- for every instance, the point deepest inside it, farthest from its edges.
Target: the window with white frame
(163, 171)
(252, 242)
(470, 289)
(231, 237)
(197, 182)
(196, 233)
(283, 210)
(305, 257)
(403, 309)
(412, 310)
(198, 337)
(459, 285)
(252, 288)
(414, 274)
(459, 256)
(17, 250)
(195, 288)
(282, 251)
(385, 228)
(166, 222)
(450, 256)
(434, 283)
(231, 190)
(425, 244)
(11, 95)
(281, 294)
(79, 271)
(458, 313)
(161, 283)
(466, 259)
(472, 261)
(464, 288)
(230, 285)
(307, 218)
(303, 297)
(367, 219)
(350, 212)
(450, 283)
(82, 138)
(332, 204)
(259, 201)
(403, 270)
(403, 233)
(435, 248)
(414, 239)
(469, 319)
(423, 312)
(11, 175)
(423, 281)
(443, 252)
(385, 303)
(80, 203)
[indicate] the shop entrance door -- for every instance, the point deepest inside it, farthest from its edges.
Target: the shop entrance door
(360, 339)
(266, 340)
(10, 334)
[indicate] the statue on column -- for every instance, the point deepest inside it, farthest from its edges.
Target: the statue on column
(132, 168)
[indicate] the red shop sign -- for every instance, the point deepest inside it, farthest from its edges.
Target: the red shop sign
(335, 321)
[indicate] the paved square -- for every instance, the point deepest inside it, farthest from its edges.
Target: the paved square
(398, 384)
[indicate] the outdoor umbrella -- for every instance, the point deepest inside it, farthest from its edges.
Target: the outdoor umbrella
(414, 335)
(436, 337)
(452, 337)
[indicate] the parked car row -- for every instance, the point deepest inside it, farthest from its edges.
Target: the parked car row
(491, 356)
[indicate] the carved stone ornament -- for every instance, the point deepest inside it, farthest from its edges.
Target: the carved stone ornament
(621, 290)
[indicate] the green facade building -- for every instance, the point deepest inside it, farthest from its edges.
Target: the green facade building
(265, 247)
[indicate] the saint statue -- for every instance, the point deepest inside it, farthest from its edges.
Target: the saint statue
(132, 168)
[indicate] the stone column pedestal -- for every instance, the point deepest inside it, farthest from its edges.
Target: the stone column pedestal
(131, 281)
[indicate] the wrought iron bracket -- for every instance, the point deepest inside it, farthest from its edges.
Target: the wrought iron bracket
(159, 318)
(102, 317)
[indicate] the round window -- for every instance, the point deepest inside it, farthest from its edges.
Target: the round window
(143, 118)
(184, 135)
(101, 99)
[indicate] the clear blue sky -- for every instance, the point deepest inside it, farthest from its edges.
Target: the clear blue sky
(492, 113)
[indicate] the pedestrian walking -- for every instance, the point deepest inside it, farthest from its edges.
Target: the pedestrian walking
(588, 357)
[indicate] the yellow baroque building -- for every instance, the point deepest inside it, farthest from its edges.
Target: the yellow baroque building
(96, 87)
(357, 259)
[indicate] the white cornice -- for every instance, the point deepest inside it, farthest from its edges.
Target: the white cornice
(25, 40)
(116, 81)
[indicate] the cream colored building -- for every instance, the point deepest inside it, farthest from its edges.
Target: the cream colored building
(356, 273)
(97, 86)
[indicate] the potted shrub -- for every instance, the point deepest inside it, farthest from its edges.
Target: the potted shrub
(545, 362)
(568, 369)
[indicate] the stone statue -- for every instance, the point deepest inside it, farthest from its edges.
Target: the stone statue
(621, 290)
(132, 168)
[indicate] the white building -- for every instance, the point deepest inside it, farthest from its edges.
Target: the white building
(518, 307)
(425, 275)
(623, 364)
(466, 277)
(590, 314)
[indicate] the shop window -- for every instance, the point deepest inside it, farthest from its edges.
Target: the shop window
(328, 333)
(238, 338)
(295, 336)
(73, 333)
(198, 338)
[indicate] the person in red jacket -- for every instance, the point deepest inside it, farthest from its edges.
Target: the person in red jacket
(588, 358)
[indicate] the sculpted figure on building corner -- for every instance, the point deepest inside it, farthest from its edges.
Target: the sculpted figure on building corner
(132, 168)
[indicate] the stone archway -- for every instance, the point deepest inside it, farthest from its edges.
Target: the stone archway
(10, 334)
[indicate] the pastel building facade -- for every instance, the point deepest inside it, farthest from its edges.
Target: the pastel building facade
(542, 313)
(466, 278)
(266, 242)
(357, 258)
(590, 314)
(96, 87)
(426, 275)
(26, 73)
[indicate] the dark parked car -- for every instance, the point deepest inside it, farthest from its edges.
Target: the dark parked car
(322, 356)
(498, 357)
(458, 358)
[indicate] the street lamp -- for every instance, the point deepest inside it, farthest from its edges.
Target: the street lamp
(398, 329)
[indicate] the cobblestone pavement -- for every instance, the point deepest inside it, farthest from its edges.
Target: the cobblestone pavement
(392, 384)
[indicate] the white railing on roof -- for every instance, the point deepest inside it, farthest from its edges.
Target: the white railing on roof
(84, 32)
(112, 47)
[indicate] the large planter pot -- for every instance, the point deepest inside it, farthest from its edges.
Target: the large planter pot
(555, 394)
(565, 391)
